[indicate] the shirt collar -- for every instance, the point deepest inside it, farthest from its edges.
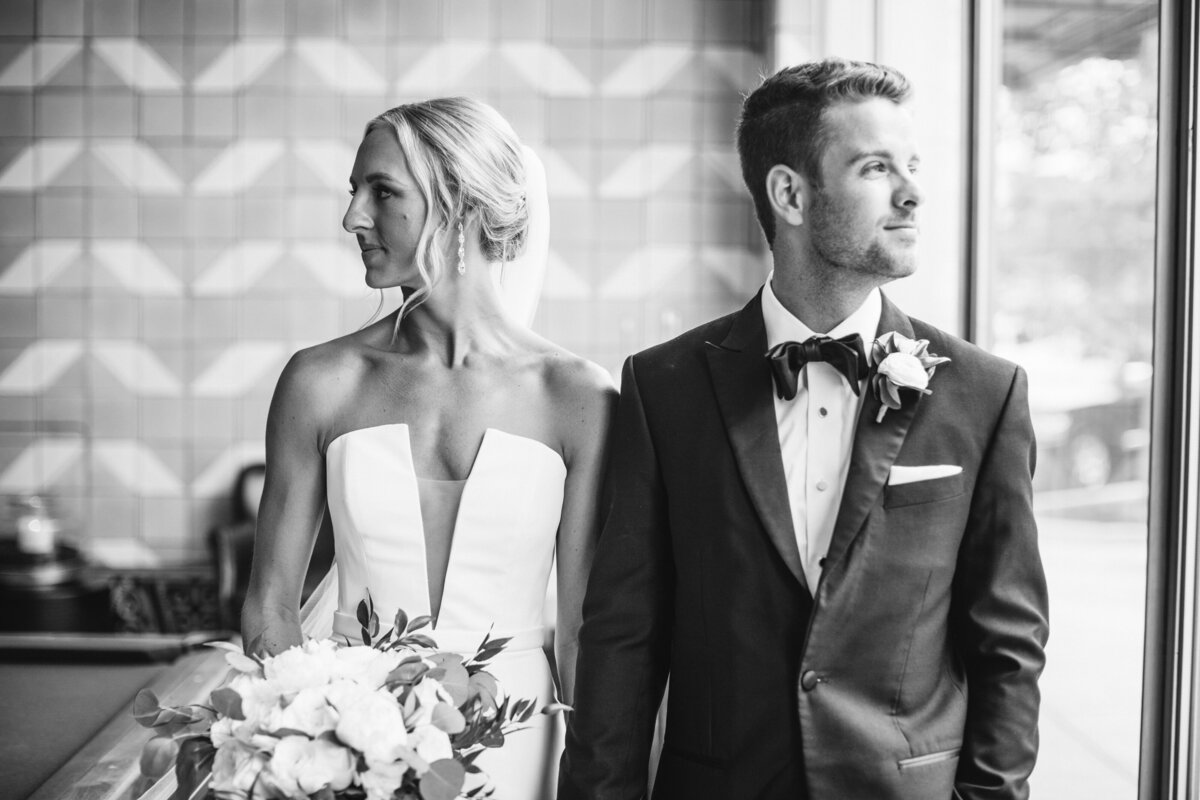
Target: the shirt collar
(783, 326)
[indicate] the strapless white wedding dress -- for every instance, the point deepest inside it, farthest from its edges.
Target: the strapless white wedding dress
(502, 549)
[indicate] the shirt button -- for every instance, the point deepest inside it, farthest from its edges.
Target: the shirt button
(809, 681)
(823, 412)
(822, 486)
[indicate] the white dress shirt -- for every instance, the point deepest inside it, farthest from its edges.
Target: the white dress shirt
(816, 428)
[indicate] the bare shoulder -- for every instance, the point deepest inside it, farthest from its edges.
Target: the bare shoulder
(576, 382)
(581, 394)
(317, 382)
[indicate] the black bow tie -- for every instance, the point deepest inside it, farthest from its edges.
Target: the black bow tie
(846, 355)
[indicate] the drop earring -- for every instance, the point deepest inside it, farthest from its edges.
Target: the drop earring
(462, 250)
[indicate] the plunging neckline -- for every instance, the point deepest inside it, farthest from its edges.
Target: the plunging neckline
(483, 455)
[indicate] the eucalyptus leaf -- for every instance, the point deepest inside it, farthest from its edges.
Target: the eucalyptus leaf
(242, 662)
(407, 672)
(158, 756)
(401, 621)
(443, 781)
(418, 622)
(486, 687)
(448, 719)
(445, 659)
(146, 708)
(455, 681)
(228, 703)
(193, 767)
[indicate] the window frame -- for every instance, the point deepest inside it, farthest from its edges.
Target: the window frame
(1169, 758)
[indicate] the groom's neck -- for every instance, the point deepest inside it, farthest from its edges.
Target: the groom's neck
(820, 296)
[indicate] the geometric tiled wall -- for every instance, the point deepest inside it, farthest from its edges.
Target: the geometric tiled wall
(173, 175)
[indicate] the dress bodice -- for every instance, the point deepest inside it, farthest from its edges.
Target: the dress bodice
(502, 545)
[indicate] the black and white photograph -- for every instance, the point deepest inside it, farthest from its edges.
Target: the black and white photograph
(599, 400)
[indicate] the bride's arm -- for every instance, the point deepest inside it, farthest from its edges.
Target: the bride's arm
(586, 415)
(293, 505)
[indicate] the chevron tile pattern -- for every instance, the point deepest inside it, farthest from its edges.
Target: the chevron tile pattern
(136, 62)
(38, 63)
(39, 164)
(239, 65)
(172, 181)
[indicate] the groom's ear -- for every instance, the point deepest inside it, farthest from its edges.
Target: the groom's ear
(786, 192)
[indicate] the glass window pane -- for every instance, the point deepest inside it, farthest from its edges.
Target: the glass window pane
(1068, 294)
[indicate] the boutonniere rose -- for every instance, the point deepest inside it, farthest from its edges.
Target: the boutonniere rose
(901, 363)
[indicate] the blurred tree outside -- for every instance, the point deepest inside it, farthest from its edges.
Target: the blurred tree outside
(1074, 241)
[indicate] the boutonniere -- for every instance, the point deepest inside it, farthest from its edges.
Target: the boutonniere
(901, 363)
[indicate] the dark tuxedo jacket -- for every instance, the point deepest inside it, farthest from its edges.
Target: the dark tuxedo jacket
(908, 673)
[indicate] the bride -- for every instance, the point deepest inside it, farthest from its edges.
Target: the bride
(457, 454)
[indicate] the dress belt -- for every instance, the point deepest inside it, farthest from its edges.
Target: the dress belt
(453, 640)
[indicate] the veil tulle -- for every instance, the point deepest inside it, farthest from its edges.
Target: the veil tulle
(520, 285)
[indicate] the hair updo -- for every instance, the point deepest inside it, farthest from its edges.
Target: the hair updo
(467, 162)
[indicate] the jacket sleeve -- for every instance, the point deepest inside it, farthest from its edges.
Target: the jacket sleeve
(1000, 613)
(627, 619)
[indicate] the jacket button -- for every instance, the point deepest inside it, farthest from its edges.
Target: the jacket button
(809, 681)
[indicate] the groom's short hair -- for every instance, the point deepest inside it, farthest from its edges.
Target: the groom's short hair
(782, 121)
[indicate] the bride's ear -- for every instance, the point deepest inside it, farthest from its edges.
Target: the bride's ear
(786, 190)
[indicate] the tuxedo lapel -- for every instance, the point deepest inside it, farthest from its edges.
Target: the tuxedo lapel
(742, 383)
(876, 445)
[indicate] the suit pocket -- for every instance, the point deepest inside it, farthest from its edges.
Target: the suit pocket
(927, 760)
(931, 491)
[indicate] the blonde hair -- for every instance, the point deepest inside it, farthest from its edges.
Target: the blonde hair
(466, 160)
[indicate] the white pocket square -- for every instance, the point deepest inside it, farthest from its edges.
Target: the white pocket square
(901, 475)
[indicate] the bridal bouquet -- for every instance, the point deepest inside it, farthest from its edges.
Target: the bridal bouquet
(390, 719)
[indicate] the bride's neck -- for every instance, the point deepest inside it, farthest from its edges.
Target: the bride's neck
(462, 316)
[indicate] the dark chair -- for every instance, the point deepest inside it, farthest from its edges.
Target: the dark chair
(232, 547)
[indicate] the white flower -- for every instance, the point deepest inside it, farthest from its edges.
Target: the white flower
(431, 743)
(372, 724)
(419, 705)
(309, 712)
(260, 700)
(221, 731)
(235, 768)
(302, 766)
(366, 665)
(300, 667)
(380, 781)
(903, 344)
(904, 370)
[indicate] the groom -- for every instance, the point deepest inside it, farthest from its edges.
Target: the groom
(820, 529)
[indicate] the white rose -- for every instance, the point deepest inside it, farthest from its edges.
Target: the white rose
(309, 712)
(431, 743)
(235, 768)
(373, 725)
(260, 700)
(366, 665)
(301, 766)
(380, 781)
(300, 667)
(343, 693)
(419, 705)
(904, 370)
(222, 731)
